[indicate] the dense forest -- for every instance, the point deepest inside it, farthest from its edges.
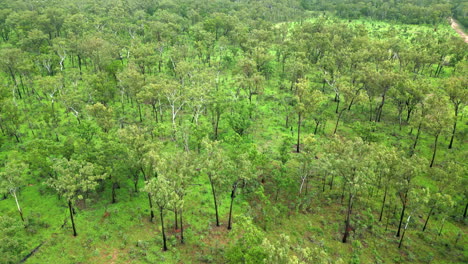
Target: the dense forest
(218, 131)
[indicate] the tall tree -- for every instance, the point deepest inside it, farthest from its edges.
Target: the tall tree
(12, 178)
(74, 179)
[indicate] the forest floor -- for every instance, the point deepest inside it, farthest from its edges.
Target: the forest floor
(458, 29)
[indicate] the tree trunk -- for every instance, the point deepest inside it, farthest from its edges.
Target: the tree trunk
(401, 219)
(176, 223)
(151, 208)
(139, 112)
(13, 193)
(454, 127)
(337, 100)
(181, 228)
(113, 192)
(417, 137)
(441, 227)
(383, 203)
(214, 199)
(404, 231)
(317, 123)
(135, 181)
(337, 121)
(233, 195)
(163, 231)
(427, 219)
(348, 219)
(71, 217)
(298, 132)
(435, 150)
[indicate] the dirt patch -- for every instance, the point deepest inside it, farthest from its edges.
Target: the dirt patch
(458, 29)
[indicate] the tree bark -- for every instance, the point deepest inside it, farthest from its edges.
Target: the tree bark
(71, 217)
(435, 150)
(176, 223)
(404, 231)
(113, 192)
(383, 203)
(163, 231)
(214, 199)
(401, 219)
(454, 128)
(298, 132)
(13, 193)
(427, 219)
(337, 121)
(181, 228)
(417, 136)
(348, 219)
(233, 195)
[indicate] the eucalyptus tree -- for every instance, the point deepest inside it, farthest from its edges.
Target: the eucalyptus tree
(215, 163)
(131, 82)
(163, 196)
(457, 91)
(181, 170)
(308, 100)
(12, 178)
(441, 198)
(244, 165)
(437, 120)
(12, 244)
(407, 170)
(73, 179)
(355, 165)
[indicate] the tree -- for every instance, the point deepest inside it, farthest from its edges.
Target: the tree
(457, 91)
(11, 244)
(242, 172)
(163, 196)
(437, 119)
(214, 163)
(354, 164)
(408, 169)
(12, 178)
(73, 180)
(308, 100)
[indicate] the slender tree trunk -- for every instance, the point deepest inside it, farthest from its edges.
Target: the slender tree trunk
(181, 228)
(13, 193)
(337, 121)
(233, 195)
(435, 150)
(298, 132)
(163, 231)
(176, 225)
(417, 136)
(404, 231)
(383, 203)
(317, 123)
(113, 192)
(401, 219)
(427, 219)
(348, 219)
(214, 199)
(442, 227)
(337, 100)
(71, 217)
(454, 127)
(139, 112)
(151, 208)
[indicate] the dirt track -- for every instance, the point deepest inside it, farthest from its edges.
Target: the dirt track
(458, 29)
